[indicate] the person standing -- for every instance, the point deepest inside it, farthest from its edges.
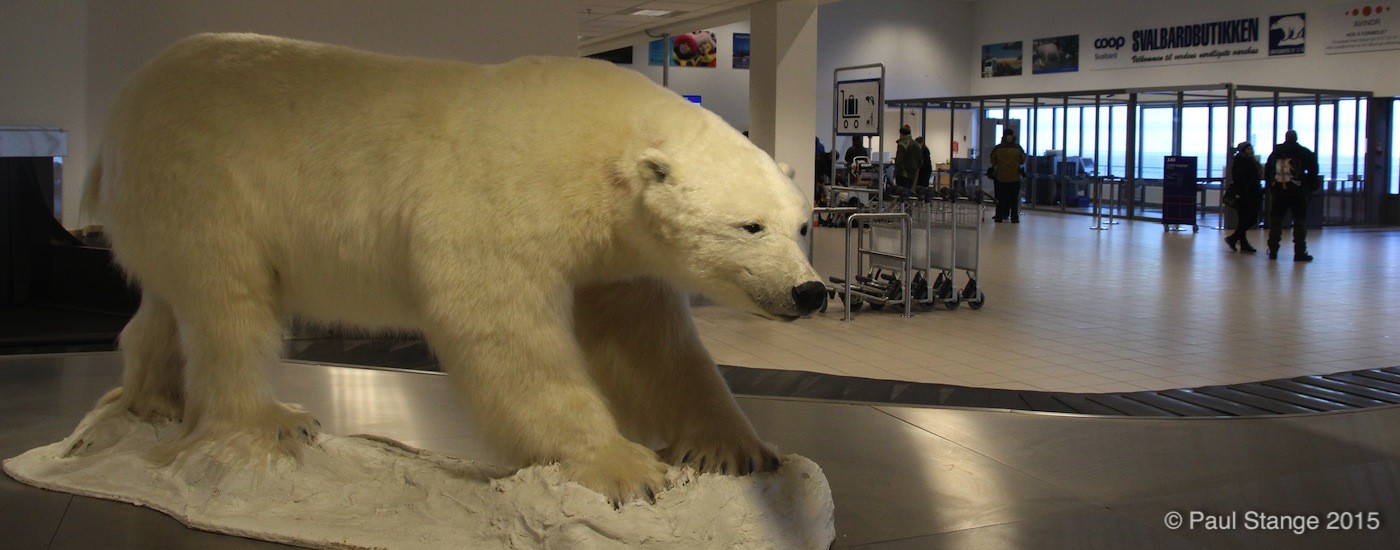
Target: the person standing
(857, 149)
(1291, 173)
(1007, 158)
(1244, 187)
(926, 164)
(907, 159)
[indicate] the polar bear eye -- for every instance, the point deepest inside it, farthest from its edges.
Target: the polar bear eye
(803, 231)
(753, 228)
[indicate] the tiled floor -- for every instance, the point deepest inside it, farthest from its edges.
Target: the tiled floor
(901, 477)
(1130, 308)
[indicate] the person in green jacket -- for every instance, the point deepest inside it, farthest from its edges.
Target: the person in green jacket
(908, 157)
(1007, 158)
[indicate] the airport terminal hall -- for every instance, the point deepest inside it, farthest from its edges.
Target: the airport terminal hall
(699, 274)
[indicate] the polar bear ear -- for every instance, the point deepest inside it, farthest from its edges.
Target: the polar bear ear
(654, 167)
(787, 169)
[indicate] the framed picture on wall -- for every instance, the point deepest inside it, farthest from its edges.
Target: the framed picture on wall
(1055, 55)
(1002, 59)
(695, 49)
(741, 50)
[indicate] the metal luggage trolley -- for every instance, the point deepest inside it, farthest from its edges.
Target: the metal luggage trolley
(882, 239)
(947, 239)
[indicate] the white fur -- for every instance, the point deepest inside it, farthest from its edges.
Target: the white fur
(532, 219)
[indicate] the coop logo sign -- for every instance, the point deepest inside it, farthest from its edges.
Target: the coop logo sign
(1106, 43)
(1114, 43)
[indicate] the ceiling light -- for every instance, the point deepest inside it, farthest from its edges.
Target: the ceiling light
(651, 13)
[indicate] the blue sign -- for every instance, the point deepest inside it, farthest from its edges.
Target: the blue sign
(1179, 190)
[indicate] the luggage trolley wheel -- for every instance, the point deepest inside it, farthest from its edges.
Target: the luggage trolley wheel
(946, 292)
(855, 304)
(920, 290)
(973, 295)
(894, 296)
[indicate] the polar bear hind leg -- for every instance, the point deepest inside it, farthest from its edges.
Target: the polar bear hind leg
(230, 334)
(151, 387)
(646, 355)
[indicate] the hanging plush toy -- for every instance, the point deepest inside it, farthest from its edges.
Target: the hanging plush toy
(685, 50)
(706, 43)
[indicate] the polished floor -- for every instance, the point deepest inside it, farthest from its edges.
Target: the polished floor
(901, 477)
(1125, 309)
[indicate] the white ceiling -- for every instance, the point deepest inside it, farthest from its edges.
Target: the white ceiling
(602, 19)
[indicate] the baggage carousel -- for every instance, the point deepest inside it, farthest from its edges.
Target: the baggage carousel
(902, 475)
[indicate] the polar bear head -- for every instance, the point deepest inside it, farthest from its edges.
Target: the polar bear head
(720, 216)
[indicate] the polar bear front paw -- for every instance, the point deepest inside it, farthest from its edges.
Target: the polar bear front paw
(295, 428)
(275, 432)
(622, 472)
(724, 457)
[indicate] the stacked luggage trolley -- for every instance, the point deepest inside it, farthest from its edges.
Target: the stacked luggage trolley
(912, 254)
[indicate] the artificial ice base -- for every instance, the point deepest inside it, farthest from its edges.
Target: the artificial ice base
(369, 492)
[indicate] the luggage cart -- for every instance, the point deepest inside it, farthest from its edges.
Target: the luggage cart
(947, 240)
(883, 240)
(967, 247)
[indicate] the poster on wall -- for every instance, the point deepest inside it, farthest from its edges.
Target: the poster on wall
(1001, 59)
(741, 50)
(696, 49)
(1357, 27)
(656, 52)
(1055, 55)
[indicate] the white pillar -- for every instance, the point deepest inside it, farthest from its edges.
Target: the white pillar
(783, 84)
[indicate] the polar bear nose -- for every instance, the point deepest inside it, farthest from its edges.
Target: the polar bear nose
(809, 296)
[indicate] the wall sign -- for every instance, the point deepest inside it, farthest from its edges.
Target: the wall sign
(858, 107)
(1357, 27)
(1185, 43)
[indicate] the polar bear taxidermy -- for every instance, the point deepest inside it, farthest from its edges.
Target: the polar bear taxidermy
(537, 221)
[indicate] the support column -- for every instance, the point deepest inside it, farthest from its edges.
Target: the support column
(783, 84)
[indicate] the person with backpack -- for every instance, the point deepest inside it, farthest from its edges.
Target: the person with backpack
(1291, 174)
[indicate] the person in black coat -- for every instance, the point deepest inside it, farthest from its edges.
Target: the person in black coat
(925, 169)
(1245, 174)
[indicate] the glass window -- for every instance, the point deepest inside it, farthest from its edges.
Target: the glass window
(1327, 161)
(1395, 147)
(1261, 129)
(1155, 141)
(1195, 138)
(1115, 158)
(1350, 126)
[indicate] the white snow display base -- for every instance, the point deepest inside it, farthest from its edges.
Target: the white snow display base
(369, 492)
